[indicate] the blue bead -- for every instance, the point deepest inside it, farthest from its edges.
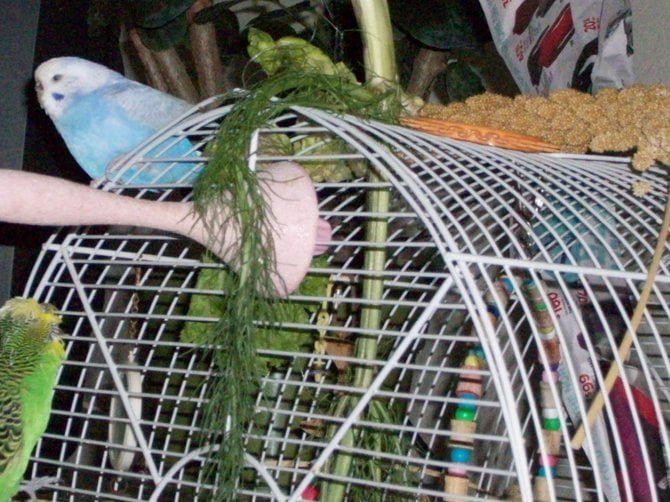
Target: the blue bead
(507, 282)
(542, 472)
(467, 401)
(476, 351)
(460, 455)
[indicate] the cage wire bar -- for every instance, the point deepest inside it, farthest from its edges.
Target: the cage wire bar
(478, 239)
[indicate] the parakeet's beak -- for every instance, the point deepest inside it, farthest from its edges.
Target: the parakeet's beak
(57, 347)
(39, 89)
(55, 343)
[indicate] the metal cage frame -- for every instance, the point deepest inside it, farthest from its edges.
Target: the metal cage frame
(463, 219)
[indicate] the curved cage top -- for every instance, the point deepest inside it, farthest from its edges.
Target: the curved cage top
(476, 239)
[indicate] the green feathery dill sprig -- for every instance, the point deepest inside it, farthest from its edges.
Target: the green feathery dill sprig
(227, 196)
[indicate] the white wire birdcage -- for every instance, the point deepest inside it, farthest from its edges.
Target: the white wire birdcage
(478, 386)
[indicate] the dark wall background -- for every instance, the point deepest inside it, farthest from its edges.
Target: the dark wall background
(18, 25)
(32, 32)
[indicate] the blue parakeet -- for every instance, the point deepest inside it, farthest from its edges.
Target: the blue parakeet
(102, 115)
(31, 352)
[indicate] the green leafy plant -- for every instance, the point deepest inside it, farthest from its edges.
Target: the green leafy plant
(449, 36)
(197, 48)
(216, 306)
(228, 183)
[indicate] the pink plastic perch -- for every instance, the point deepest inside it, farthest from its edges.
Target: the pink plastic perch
(44, 200)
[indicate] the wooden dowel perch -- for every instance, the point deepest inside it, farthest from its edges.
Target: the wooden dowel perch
(479, 134)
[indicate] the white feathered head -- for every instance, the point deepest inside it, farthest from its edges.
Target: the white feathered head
(58, 80)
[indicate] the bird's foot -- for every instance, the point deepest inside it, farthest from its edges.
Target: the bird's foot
(36, 484)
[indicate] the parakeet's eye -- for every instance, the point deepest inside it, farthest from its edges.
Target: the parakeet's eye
(47, 308)
(57, 77)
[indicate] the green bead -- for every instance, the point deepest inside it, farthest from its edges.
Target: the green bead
(551, 424)
(467, 414)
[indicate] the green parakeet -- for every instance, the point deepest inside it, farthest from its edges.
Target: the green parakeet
(31, 352)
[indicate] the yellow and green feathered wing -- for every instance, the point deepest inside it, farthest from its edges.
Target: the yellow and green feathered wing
(31, 352)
